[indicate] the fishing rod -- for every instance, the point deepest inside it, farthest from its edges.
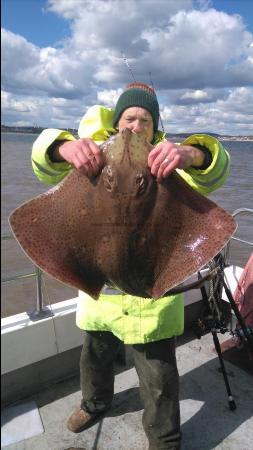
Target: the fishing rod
(151, 82)
(128, 65)
(217, 314)
(214, 321)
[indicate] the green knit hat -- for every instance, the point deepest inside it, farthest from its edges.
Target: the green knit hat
(137, 94)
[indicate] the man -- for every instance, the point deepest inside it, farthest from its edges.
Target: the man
(150, 326)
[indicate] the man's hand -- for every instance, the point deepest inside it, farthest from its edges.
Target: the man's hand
(83, 154)
(168, 156)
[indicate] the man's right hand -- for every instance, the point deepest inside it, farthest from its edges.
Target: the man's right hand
(83, 154)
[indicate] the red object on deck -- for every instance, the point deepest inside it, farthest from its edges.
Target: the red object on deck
(243, 294)
(233, 349)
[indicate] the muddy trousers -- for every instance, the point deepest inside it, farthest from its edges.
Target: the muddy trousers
(155, 363)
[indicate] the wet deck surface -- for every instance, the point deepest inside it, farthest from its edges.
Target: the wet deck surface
(207, 422)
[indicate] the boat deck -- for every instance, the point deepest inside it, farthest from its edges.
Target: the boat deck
(207, 421)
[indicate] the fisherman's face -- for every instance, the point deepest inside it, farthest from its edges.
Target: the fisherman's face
(138, 120)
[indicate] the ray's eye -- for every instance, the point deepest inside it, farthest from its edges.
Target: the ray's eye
(108, 178)
(141, 183)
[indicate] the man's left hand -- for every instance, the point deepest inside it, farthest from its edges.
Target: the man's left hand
(167, 156)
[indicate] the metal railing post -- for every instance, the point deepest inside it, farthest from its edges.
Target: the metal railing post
(39, 290)
(41, 312)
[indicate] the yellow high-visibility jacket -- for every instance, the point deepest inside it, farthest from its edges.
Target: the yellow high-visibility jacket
(132, 319)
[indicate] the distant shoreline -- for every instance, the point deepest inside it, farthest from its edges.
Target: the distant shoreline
(38, 130)
(29, 130)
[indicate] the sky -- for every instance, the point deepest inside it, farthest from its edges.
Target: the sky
(59, 57)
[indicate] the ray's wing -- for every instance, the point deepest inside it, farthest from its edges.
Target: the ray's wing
(189, 229)
(54, 231)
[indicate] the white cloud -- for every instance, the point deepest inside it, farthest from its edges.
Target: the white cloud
(200, 49)
(109, 98)
(201, 61)
(195, 95)
(42, 111)
(19, 106)
(231, 115)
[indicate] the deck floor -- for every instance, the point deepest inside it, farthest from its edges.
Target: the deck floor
(207, 422)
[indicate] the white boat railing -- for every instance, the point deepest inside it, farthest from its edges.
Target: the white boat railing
(236, 213)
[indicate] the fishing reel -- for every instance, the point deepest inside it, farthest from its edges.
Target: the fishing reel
(239, 333)
(244, 338)
(217, 321)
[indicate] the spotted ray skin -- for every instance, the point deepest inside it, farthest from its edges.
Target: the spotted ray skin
(123, 227)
